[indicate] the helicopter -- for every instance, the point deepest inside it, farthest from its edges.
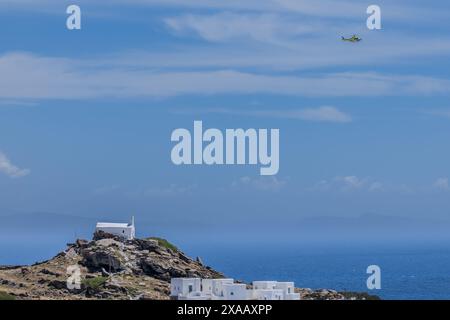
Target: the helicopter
(354, 38)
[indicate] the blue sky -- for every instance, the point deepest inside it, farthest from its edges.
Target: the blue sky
(86, 116)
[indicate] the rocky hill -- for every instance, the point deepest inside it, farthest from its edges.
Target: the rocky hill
(110, 269)
(113, 269)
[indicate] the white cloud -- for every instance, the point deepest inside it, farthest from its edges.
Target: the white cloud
(228, 26)
(441, 184)
(376, 186)
(8, 168)
(271, 183)
(348, 183)
(286, 52)
(366, 184)
(171, 190)
(344, 9)
(320, 114)
(325, 114)
(20, 103)
(351, 182)
(26, 76)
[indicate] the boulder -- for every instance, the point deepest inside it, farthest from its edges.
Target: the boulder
(96, 259)
(160, 269)
(108, 242)
(199, 260)
(81, 243)
(58, 284)
(99, 234)
(49, 272)
(184, 258)
(146, 244)
(153, 268)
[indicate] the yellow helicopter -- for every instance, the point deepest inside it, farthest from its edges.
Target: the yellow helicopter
(354, 38)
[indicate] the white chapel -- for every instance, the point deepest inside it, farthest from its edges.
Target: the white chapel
(124, 230)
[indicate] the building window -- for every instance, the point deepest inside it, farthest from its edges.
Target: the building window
(190, 288)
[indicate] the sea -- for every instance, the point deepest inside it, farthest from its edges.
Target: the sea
(411, 273)
(408, 271)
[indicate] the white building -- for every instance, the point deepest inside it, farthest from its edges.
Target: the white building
(125, 230)
(274, 290)
(236, 291)
(264, 285)
(288, 290)
(218, 286)
(267, 294)
(183, 287)
(227, 289)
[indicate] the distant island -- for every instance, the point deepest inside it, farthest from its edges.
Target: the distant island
(112, 267)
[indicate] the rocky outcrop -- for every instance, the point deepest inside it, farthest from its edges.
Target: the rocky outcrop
(103, 253)
(110, 267)
(321, 294)
(99, 235)
(139, 257)
(147, 244)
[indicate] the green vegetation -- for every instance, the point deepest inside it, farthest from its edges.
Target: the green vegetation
(6, 296)
(95, 283)
(164, 243)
